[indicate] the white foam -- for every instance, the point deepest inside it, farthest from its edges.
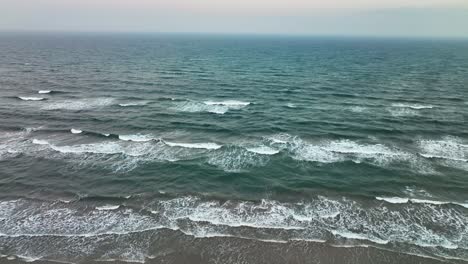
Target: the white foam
(76, 131)
(267, 220)
(448, 148)
(394, 200)
(263, 150)
(24, 98)
(413, 106)
(194, 145)
(109, 148)
(44, 91)
(357, 109)
(337, 150)
(340, 150)
(193, 107)
(351, 235)
(137, 138)
(403, 112)
(106, 135)
(236, 159)
(399, 200)
(229, 103)
(426, 201)
(290, 105)
(29, 259)
(210, 106)
(133, 104)
(280, 138)
(40, 142)
(107, 207)
(79, 104)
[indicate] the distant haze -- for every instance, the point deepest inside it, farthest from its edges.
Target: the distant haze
(438, 18)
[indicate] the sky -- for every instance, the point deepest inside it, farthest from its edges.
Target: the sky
(418, 18)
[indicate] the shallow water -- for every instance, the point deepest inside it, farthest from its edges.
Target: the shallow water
(116, 138)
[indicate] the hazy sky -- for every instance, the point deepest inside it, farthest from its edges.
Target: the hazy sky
(329, 17)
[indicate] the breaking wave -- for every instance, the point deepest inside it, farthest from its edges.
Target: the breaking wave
(209, 106)
(24, 98)
(403, 226)
(194, 145)
(413, 106)
(79, 104)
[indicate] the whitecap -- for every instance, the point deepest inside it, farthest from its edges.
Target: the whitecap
(76, 131)
(263, 150)
(29, 259)
(434, 202)
(194, 145)
(210, 106)
(108, 148)
(448, 148)
(394, 200)
(39, 142)
(30, 98)
(107, 207)
(194, 107)
(229, 103)
(399, 200)
(403, 112)
(137, 138)
(106, 135)
(80, 104)
(133, 104)
(44, 91)
(413, 106)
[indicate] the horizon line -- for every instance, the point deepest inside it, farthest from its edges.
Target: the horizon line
(217, 33)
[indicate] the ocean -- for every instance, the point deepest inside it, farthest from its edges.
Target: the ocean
(186, 148)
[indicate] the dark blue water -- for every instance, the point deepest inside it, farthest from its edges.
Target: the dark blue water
(350, 142)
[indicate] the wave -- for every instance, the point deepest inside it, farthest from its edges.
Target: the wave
(263, 150)
(448, 148)
(236, 159)
(79, 104)
(133, 104)
(194, 107)
(107, 207)
(338, 150)
(403, 112)
(358, 109)
(400, 200)
(40, 142)
(394, 200)
(404, 227)
(209, 106)
(413, 106)
(108, 147)
(194, 145)
(24, 98)
(76, 131)
(44, 91)
(137, 138)
(229, 103)
(351, 235)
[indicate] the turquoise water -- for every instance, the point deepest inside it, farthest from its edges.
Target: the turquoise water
(347, 141)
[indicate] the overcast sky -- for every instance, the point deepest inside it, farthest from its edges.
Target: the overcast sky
(438, 18)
